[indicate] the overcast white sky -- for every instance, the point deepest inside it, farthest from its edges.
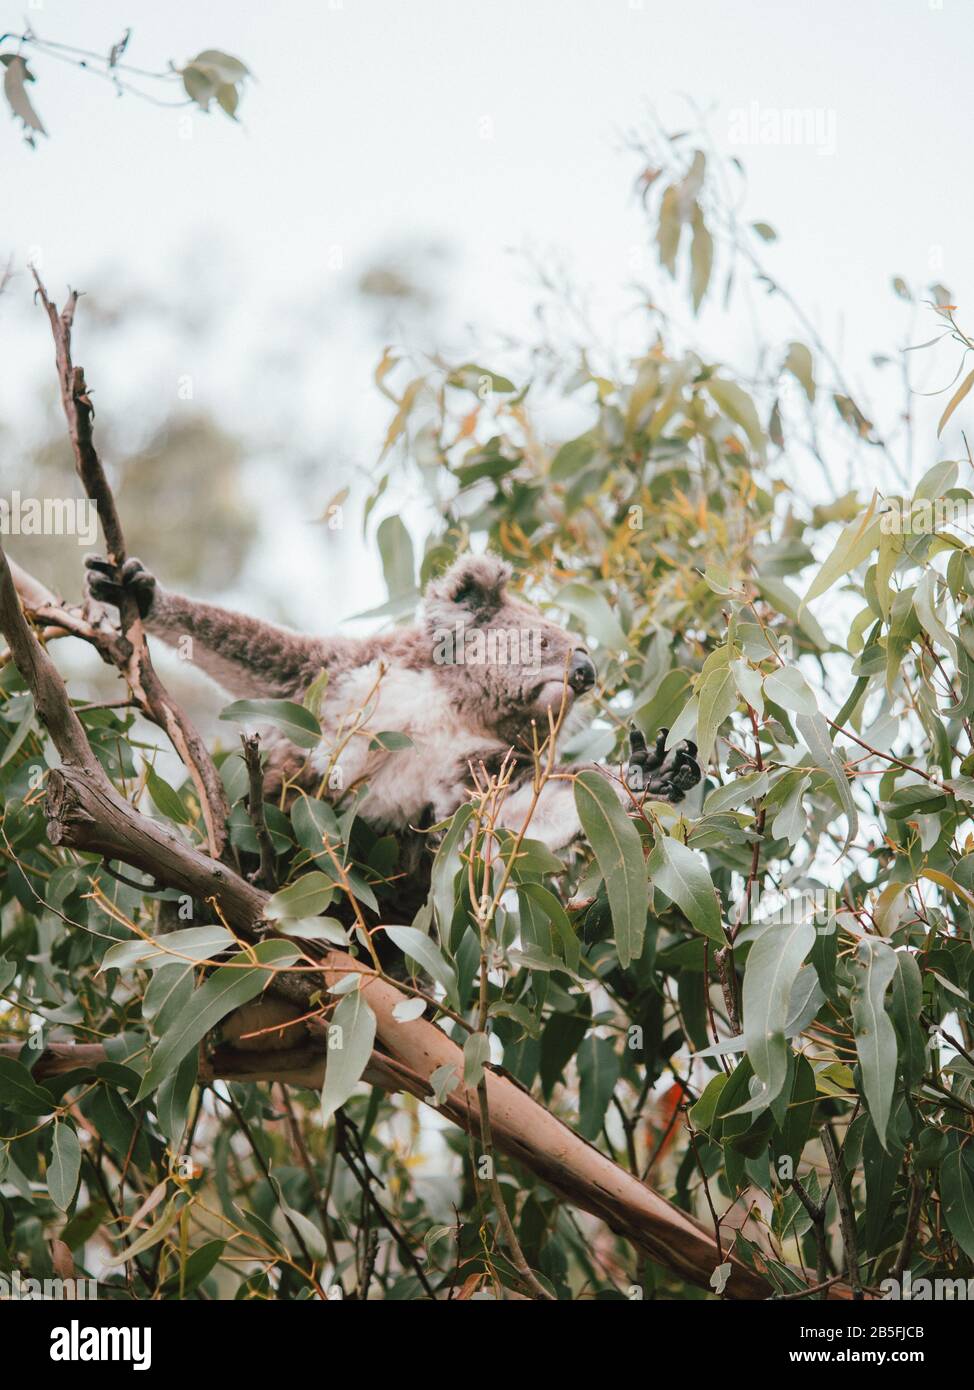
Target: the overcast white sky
(488, 127)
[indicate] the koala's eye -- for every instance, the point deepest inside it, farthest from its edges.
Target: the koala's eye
(545, 644)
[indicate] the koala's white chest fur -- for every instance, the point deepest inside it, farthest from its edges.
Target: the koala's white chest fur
(366, 702)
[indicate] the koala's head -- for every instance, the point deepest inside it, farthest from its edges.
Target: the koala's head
(500, 653)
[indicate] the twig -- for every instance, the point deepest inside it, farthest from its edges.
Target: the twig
(816, 1211)
(137, 668)
(350, 1147)
(913, 1210)
(847, 1218)
(255, 808)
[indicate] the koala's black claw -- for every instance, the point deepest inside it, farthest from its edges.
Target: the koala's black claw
(640, 755)
(667, 776)
(106, 583)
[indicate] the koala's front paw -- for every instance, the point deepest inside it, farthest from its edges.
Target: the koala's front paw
(106, 583)
(665, 776)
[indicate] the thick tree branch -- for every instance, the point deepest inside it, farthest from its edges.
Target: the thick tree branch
(137, 666)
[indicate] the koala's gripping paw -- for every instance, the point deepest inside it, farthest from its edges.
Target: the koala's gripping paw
(106, 583)
(665, 776)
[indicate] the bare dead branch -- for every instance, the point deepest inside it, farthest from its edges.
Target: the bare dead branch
(136, 666)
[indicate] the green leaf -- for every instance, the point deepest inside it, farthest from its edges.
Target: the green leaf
(905, 1003)
(198, 1265)
(227, 68)
(662, 709)
(751, 787)
(315, 693)
(226, 989)
(737, 405)
(749, 684)
(880, 1168)
(598, 1072)
(772, 967)
(557, 916)
(446, 865)
(872, 968)
(701, 259)
(717, 698)
(389, 741)
(790, 821)
(618, 851)
(315, 929)
(351, 1035)
(307, 896)
(957, 1195)
(856, 542)
(409, 1010)
(172, 1101)
(470, 377)
(167, 800)
(398, 561)
(196, 943)
(572, 457)
(789, 688)
(298, 723)
(592, 609)
(782, 597)
(421, 948)
(150, 1237)
(681, 873)
(20, 1091)
(476, 1054)
(20, 734)
(64, 1168)
(313, 820)
(702, 1113)
(815, 733)
(799, 363)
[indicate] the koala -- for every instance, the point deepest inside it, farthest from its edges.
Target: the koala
(470, 684)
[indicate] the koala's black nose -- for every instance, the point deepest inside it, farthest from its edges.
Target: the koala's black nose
(581, 672)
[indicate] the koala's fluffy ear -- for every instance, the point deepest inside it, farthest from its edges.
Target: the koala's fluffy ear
(471, 590)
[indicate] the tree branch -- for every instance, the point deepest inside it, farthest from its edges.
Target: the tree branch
(255, 809)
(136, 666)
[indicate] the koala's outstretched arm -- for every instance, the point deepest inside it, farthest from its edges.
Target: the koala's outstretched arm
(660, 775)
(245, 656)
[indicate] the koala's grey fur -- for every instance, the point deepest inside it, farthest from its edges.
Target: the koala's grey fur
(456, 714)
